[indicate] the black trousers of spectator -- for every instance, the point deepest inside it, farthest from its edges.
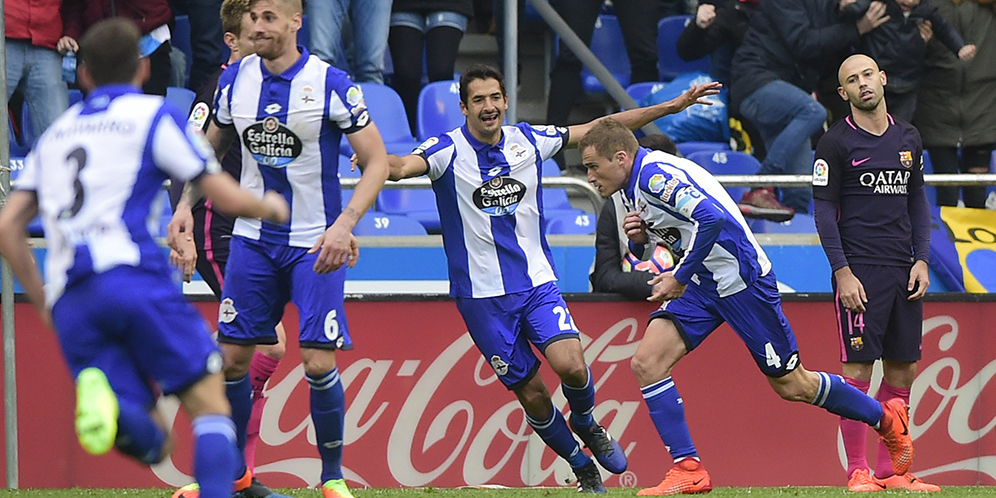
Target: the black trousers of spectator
(945, 161)
(160, 71)
(406, 43)
(207, 40)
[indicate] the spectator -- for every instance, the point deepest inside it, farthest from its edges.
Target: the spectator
(638, 20)
(787, 47)
(956, 105)
(611, 271)
(899, 46)
(206, 38)
(434, 27)
(33, 30)
(718, 29)
(370, 21)
(152, 18)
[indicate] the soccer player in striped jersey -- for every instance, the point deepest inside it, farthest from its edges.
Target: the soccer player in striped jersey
(290, 110)
(723, 276)
(486, 178)
(125, 329)
(199, 235)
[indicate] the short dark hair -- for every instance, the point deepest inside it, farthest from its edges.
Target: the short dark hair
(609, 136)
(659, 141)
(109, 50)
(479, 72)
(232, 12)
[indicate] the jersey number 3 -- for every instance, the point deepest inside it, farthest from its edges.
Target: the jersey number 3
(79, 157)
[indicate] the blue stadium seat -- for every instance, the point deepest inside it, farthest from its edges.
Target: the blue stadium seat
(375, 223)
(727, 163)
(438, 109)
(303, 34)
(555, 201)
(180, 38)
(689, 148)
(580, 223)
(346, 168)
(385, 108)
(416, 203)
(607, 45)
(640, 91)
(928, 169)
(182, 98)
(668, 63)
(17, 149)
(75, 96)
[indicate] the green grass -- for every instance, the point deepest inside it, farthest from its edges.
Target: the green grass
(800, 492)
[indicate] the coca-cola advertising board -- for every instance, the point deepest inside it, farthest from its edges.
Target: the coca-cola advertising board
(424, 408)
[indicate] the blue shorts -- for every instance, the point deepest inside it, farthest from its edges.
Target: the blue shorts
(137, 327)
(504, 326)
(891, 326)
(754, 313)
(261, 278)
(426, 22)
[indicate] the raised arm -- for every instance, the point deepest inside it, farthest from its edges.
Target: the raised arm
(640, 116)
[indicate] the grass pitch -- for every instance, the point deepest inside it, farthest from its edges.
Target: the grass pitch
(786, 492)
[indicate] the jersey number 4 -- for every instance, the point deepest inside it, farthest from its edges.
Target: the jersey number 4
(77, 156)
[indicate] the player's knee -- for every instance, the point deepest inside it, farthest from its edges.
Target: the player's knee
(317, 362)
(647, 369)
(275, 351)
(575, 374)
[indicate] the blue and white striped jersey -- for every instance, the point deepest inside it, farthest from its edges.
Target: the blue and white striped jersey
(719, 252)
(290, 125)
(97, 172)
(490, 205)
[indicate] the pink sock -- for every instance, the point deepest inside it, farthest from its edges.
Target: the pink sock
(260, 371)
(855, 434)
(883, 468)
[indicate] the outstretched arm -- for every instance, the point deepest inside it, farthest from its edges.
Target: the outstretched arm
(640, 116)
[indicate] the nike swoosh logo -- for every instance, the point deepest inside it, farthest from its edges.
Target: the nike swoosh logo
(859, 163)
(906, 430)
(696, 483)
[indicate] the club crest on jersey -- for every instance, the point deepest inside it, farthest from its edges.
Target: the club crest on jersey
(226, 311)
(499, 196)
(906, 158)
(271, 143)
(821, 173)
(501, 368)
(857, 343)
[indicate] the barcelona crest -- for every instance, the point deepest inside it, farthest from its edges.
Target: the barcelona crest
(857, 343)
(906, 158)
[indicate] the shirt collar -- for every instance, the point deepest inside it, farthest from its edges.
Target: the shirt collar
(112, 91)
(291, 71)
(477, 144)
(634, 175)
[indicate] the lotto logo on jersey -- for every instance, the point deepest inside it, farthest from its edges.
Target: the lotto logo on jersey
(271, 143)
(906, 158)
(499, 196)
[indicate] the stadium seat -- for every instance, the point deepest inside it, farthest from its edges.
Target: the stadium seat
(928, 169)
(375, 223)
(75, 96)
(580, 223)
(689, 148)
(182, 98)
(180, 38)
(416, 203)
(555, 201)
(387, 111)
(438, 109)
(668, 63)
(727, 163)
(608, 47)
(640, 91)
(303, 34)
(17, 149)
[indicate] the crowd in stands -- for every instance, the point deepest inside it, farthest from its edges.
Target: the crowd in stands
(776, 58)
